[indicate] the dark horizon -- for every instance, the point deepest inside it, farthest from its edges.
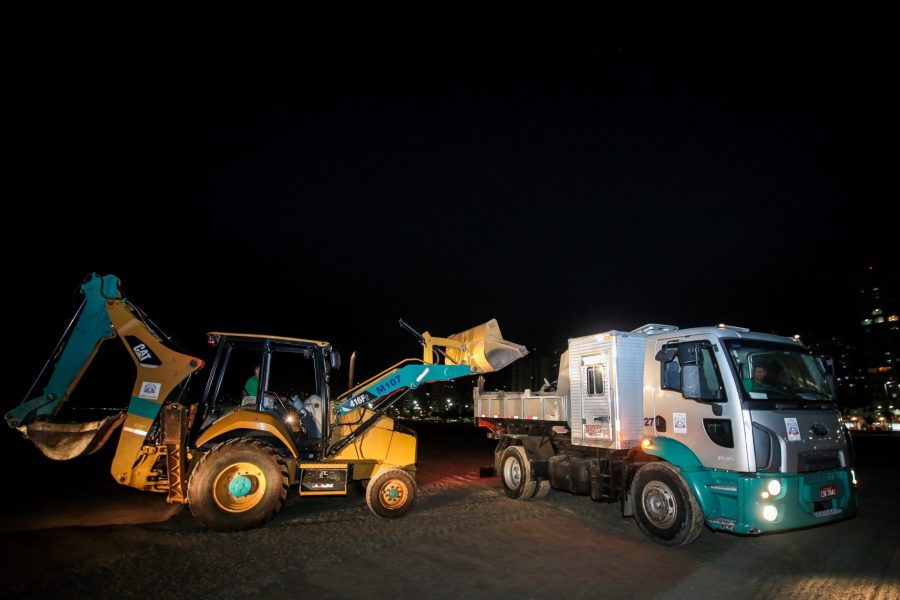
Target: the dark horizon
(563, 172)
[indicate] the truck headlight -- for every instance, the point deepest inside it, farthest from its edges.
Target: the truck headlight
(774, 487)
(770, 513)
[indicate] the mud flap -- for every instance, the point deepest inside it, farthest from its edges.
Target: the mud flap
(65, 441)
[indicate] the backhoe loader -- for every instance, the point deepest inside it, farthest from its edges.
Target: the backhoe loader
(233, 458)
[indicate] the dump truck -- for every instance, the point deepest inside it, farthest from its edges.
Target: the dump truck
(231, 457)
(716, 426)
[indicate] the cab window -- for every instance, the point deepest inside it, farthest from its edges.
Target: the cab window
(711, 388)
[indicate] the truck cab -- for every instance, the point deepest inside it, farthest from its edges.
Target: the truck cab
(738, 410)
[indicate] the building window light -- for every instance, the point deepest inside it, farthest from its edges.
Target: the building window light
(867, 321)
(879, 319)
(893, 318)
(876, 312)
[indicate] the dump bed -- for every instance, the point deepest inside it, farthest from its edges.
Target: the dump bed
(599, 395)
(521, 406)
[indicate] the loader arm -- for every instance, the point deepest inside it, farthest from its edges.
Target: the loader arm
(474, 351)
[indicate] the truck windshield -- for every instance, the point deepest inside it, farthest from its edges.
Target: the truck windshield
(771, 371)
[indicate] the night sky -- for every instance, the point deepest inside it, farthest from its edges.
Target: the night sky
(321, 176)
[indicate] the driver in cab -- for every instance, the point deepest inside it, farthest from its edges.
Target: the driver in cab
(760, 372)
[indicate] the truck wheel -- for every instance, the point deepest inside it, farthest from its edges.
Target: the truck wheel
(239, 484)
(515, 474)
(543, 488)
(391, 494)
(664, 507)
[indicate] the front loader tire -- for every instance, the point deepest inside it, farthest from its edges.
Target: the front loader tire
(239, 484)
(392, 494)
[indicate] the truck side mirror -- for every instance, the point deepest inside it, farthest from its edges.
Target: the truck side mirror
(667, 355)
(334, 359)
(826, 366)
(690, 382)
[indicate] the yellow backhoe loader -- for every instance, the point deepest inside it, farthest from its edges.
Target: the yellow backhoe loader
(233, 454)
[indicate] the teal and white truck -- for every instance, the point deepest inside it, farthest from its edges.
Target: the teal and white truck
(720, 426)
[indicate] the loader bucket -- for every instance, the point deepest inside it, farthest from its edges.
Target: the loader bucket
(484, 349)
(65, 441)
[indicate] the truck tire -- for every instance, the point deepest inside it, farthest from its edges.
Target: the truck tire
(392, 494)
(543, 488)
(664, 507)
(515, 474)
(239, 484)
(502, 445)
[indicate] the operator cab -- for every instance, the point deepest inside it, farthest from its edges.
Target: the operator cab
(286, 377)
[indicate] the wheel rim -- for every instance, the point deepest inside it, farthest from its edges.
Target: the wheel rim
(512, 473)
(393, 494)
(659, 504)
(239, 487)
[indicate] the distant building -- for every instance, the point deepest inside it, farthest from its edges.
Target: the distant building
(850, 374)
(534, 370)
(878, 315)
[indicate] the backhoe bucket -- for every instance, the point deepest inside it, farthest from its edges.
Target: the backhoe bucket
(484, 349)
(65, 441)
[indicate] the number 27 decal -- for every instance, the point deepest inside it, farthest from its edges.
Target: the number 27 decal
(648, 421)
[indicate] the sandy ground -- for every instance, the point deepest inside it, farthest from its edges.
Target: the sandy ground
(85, 536)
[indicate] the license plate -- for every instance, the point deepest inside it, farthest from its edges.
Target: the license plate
(596, 431)
(827, 491)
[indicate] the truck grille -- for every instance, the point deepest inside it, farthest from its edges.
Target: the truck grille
(819, 460)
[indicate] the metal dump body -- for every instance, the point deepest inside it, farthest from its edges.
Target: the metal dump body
(523, 406)
(600, 393)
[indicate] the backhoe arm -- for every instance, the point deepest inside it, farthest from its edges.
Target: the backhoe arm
(89, 328)
(160, 370)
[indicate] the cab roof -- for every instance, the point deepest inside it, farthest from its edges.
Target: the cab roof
(217, 336)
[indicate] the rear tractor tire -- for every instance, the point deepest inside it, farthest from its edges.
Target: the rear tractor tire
(392, 494)
(239, 484)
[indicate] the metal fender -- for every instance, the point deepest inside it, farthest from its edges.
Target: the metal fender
(713, 493)
(252, 420)
(674, 452)
(384, 445)
(379, 469)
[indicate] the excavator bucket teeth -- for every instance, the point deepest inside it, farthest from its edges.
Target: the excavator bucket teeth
(65, 441)
(484, 349)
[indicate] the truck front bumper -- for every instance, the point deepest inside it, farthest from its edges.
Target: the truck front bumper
(763, 502)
